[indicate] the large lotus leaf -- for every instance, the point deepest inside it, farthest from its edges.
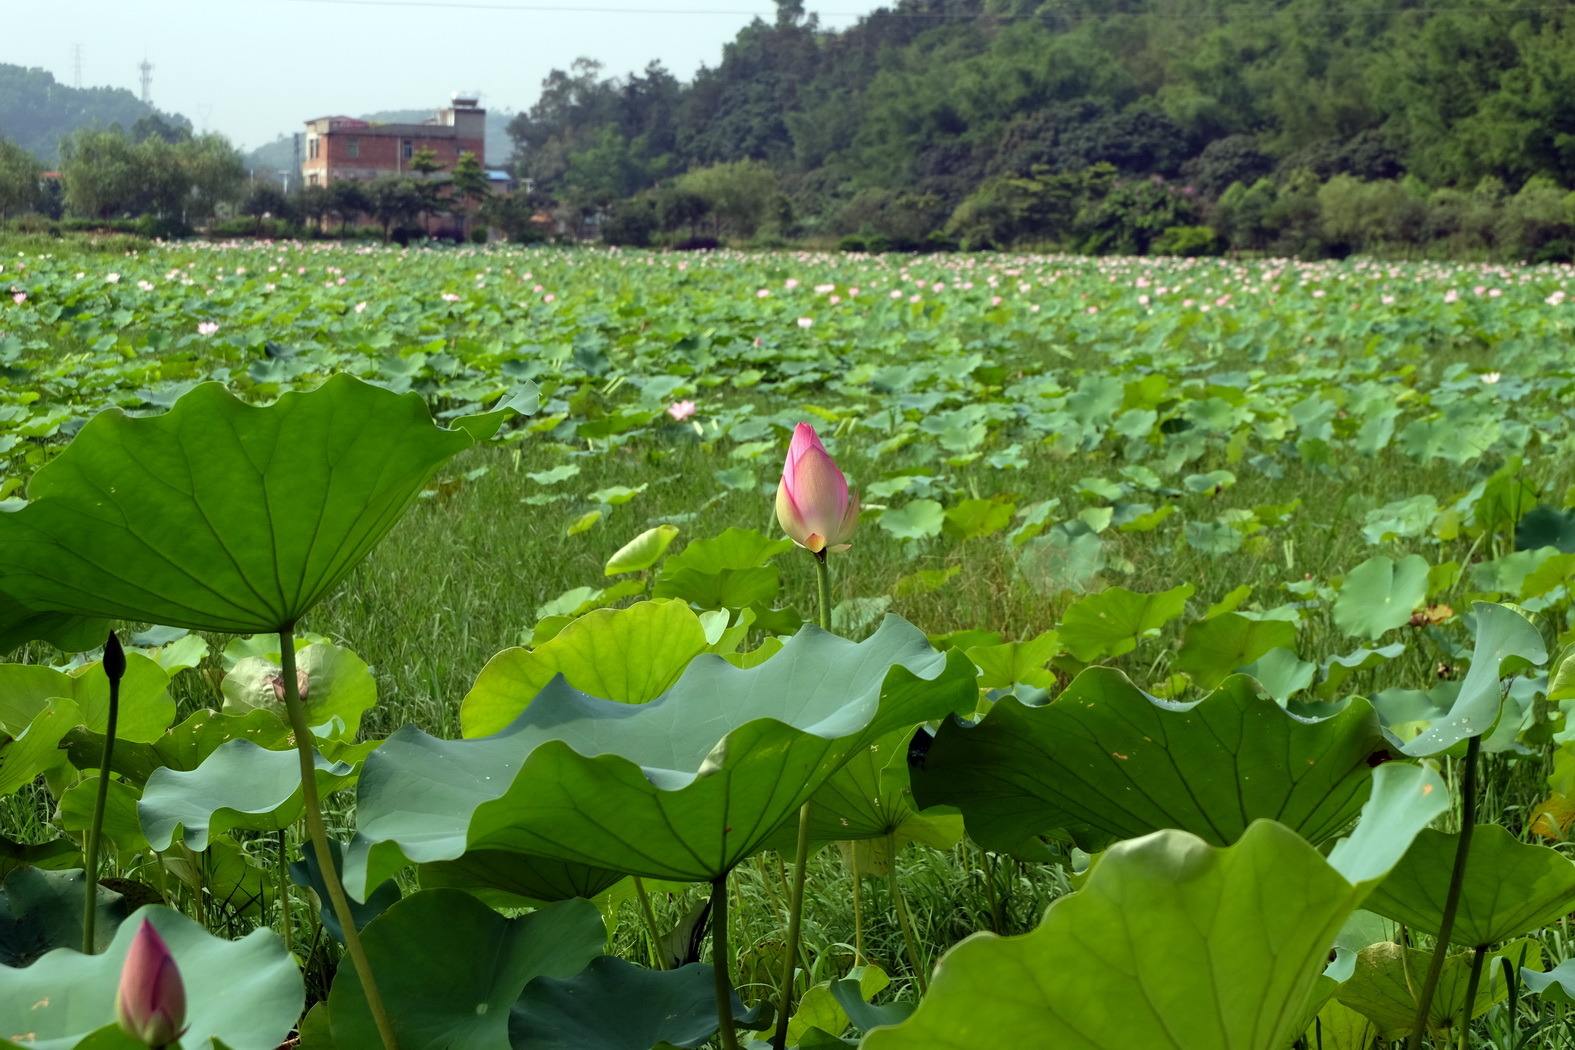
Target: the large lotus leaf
(42, 910)
(146, 708)
(224, 873)
(1379, 595)
(1106, 761)
(121, 828)
(336, 684)
(36, 750)
(219, 515)
(512, 879)
(1506, 643)
(1172, 942)
(1383, 988)
(1112, 622)
(240, 785)
(682, 787)
(1510, 888)
(631, 655)
(1557, 985)
(615, 1005)
(183, 746)
(245, 994)
(729, 571)
(450, 969)
(870, 798)
(1215, 647)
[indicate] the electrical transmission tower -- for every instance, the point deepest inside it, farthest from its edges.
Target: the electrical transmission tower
(146, 69)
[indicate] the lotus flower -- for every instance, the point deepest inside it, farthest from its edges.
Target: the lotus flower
(151, 1004)
(813, 503)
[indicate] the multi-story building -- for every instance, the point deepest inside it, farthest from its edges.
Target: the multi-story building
(346, 148)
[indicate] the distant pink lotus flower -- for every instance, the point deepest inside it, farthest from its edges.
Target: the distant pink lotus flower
(360, 308)
(150, 1005)
(450, 297)
(19, 298)
(814, 506)
(207, 327)
(806, 322)
(112, 278)
(681, 410)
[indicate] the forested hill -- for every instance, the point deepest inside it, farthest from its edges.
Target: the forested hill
(937, 97)
(36, 111)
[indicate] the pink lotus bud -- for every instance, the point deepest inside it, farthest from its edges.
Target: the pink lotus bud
(813, 503)
(303, 683)
(151, 1004)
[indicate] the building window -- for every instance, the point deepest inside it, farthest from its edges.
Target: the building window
(406, 148)
(311, 147)
(353, 147)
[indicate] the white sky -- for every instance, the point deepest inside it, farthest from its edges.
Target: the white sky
(254, 68)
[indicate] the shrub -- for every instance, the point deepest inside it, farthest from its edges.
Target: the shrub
(1188, 241)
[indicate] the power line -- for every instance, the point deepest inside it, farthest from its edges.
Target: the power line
(934, 16)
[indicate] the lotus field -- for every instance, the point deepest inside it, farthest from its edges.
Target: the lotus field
(492, 648)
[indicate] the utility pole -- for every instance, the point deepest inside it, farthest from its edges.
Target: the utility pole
(146, 69)
(76, 64)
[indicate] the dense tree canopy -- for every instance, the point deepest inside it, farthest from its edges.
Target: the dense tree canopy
(942, 100)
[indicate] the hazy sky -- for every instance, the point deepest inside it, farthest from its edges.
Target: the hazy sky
(254, 68)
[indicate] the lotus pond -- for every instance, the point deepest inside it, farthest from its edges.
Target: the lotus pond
(1194, 677)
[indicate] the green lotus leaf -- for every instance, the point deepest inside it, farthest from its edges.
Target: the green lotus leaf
(729, 571)
(916, 520)
(870, 800)
(245, 994)
(225, 874)
(146, 709)
(642, 552)
(339, 687)
(1380, 595)
(42, 910)
(1112, 622)
(450, 969)
(240, 785)
(510, 879)
(219, 515)
(183, 746)
(1017, 663)
(1557, 985)
(1172, 942)
(1506, 643)
(1106, 761)
(1510, 888)
(36, 750)
(306, 873)
(1215, 647)
(1338, 1027)
(682, 787)
(1282, 673)
(615, 1005)
(631, 655)
(1383, 988)
(121, 827)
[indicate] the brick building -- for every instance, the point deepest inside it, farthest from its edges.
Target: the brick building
(345, 148)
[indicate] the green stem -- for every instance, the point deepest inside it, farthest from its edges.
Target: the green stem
(720, 961)
(657, 961)
(858, 909)
(823, 590)
(988, 866)
(284, 887)
(915, 960)
(1471, 996)
(1457, 878)
(114, 665)
(318, 833)
(801, 852)
(795, 921)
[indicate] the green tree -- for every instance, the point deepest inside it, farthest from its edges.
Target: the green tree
(395, 200)
(348, 201)
(215, 171)
(265, 201)
(738, 195)
(19, 173)
(101, 173)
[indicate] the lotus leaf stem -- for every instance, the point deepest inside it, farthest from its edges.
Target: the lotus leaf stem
(284, 887)
(1457, 878)
(719, 963)
(318, 833)
(858, 908)
(1471, 995)
(658, 959)
(915, 956)
(801, 852)
(114, 666)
